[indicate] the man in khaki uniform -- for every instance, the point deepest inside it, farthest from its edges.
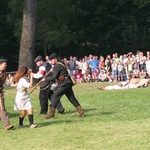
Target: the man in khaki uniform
(3, 113)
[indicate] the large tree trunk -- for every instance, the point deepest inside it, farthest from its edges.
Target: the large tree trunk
(28, 36)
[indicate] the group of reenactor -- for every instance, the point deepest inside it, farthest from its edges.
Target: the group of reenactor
(48, 73)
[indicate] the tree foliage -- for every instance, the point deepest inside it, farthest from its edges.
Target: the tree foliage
(80, 27)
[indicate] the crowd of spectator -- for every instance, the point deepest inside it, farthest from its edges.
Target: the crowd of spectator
(111, 68)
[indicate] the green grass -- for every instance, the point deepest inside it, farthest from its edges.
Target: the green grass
(115, 120)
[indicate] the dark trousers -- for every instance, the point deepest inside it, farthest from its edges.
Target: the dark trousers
(60, 91)
(44, 96)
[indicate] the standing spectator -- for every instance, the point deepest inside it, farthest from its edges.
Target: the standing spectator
(65, 62)
(3, 113)
(125, 71)
(129, 67)
(101, 64)
(114, 70)
(93, 66)
(108, 69)
(72, 66)
(136, 66)
(148, 54)
(22, 101)
(47, 59)
(108, 58)
(142, 61)
(120, 71)
(79, 65)
(45, 91)
(116, 58)
(76, 63)
(84, 66)
(113, 58)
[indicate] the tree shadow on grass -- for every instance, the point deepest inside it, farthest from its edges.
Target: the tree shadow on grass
(107, 113)
(53, 121)
(11, 115)
(74, 111)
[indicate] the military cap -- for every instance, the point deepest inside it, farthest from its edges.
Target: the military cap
(2, 60)
(38, 58)
(53, 55)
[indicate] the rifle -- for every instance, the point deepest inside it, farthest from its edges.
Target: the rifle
(48, 73)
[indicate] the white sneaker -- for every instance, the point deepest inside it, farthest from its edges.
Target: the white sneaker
(33, 126)
(110, 81)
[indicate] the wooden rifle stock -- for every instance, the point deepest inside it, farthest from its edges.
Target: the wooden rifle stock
(40, 81)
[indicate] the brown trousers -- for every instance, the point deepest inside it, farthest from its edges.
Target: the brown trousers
(3, 113)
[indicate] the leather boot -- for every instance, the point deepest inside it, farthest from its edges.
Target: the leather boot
(51, 113)
(80, 111)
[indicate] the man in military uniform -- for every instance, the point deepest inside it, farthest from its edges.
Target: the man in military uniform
(3, 113)
(64, 87)
(45, 91)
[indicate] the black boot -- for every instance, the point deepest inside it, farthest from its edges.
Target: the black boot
(21, 122)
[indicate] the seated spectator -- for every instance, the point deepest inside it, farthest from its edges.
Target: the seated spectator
(87, 76)
(9, 80)
(94, 75)
(102, 77)
(78, 76)
(143, 74)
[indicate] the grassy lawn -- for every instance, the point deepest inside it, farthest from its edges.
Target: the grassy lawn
(115, 120)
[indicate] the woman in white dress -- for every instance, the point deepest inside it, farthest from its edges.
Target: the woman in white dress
(22, 101)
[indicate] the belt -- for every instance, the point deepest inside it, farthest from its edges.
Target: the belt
(44, 88)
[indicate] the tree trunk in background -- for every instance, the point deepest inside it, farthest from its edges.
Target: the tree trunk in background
(28, 35)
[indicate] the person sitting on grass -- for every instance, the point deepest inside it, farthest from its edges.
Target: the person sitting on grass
(134, 82)
(22, 101)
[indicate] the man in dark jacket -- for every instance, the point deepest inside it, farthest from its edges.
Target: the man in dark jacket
(45, 91)
(64, 87)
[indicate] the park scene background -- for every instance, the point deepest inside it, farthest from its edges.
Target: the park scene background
(115, 120)
(75, 28)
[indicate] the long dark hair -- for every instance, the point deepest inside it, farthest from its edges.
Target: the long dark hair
(20, 73)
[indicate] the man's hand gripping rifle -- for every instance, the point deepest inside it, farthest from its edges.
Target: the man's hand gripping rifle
(47, 74)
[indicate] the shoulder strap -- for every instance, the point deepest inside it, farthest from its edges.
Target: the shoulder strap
(63, 66)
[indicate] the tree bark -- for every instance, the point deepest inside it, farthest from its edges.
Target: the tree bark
(28, 35)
